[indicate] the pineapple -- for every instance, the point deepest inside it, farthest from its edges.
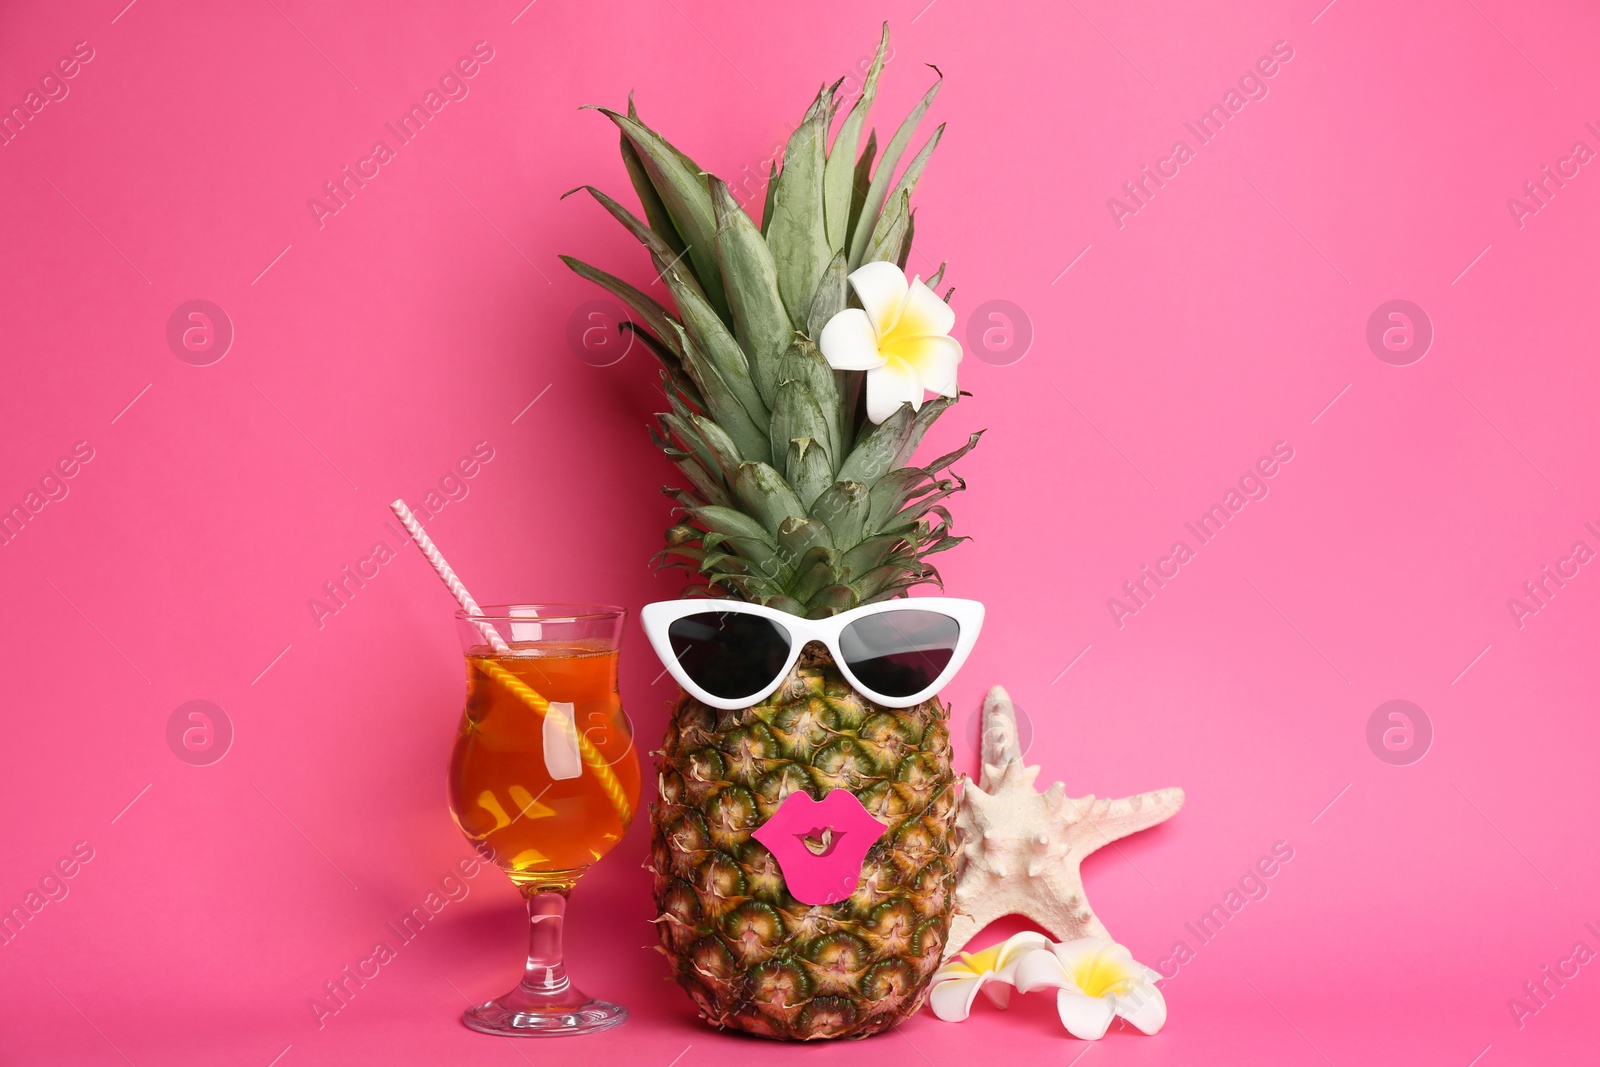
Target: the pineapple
(794, 500)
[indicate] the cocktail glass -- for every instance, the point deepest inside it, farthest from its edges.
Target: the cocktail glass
(544, 780)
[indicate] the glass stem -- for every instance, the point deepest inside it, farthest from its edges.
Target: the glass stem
(546, 974)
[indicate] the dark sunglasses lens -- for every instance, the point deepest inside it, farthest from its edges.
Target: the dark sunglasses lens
(898, 653)
(729, 654)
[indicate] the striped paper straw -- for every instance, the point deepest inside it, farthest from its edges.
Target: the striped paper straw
(604, 775)
(448, 576)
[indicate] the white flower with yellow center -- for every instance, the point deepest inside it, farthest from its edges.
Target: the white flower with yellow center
(1097, 981)
(956, 984)
(900, 336)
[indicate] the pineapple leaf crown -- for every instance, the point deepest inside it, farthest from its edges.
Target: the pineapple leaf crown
(794, 499)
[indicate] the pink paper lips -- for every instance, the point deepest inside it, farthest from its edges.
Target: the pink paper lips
(820, 845)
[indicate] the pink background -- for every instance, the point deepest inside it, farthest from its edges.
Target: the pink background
(372, 353)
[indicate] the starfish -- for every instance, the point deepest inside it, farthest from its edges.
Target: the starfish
(1023, 847)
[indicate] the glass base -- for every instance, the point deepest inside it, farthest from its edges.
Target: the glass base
(521, 1013)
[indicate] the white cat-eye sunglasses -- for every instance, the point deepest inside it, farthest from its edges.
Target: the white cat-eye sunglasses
(731, 654)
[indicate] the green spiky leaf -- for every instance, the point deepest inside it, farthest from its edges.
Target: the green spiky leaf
(685, 195)
(759, 319)
(913, 171)
(808, 469)
(803, 363)
(723, 405)
(831, 296)
(765, 496)
(889, 237)
(841, 165)
(649, 199)
(661, 253)
(718, 442)
(646, 307)
(891, 443)
(882, 178)
(798, 235)
(844, 507)
(772, 192)
(860, 181)
(711, 335)
(795, 415)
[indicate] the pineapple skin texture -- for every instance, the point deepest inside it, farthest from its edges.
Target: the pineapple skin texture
(751, 956)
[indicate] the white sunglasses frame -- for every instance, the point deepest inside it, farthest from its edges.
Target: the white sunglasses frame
(658, 617)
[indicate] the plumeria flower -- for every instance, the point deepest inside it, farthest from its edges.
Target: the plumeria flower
(1097, 980)
(900, 336)
(956, 984)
